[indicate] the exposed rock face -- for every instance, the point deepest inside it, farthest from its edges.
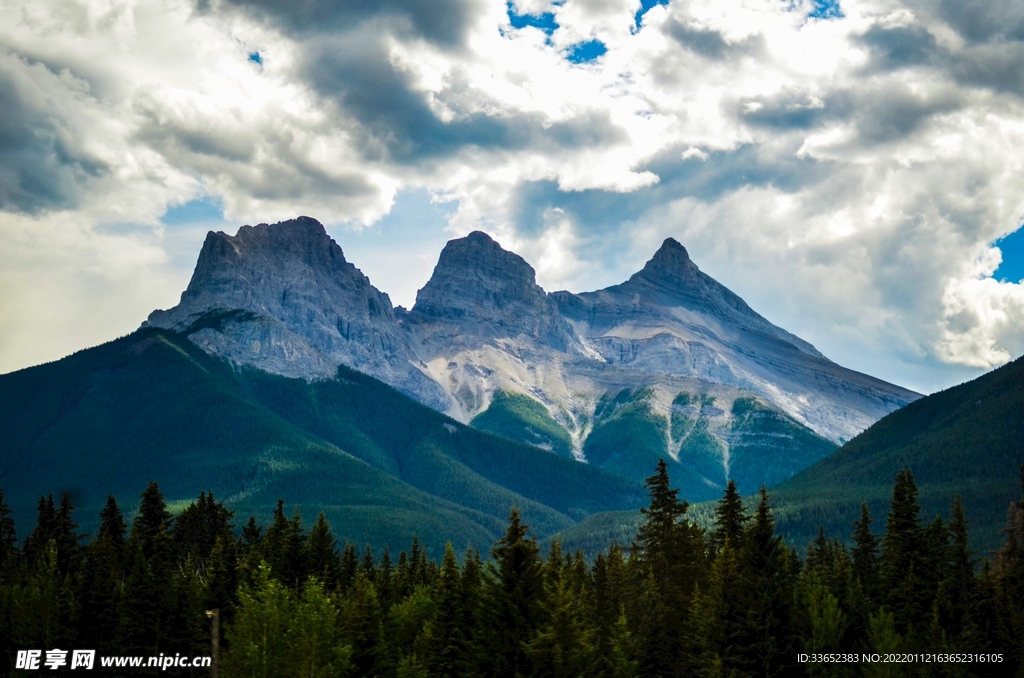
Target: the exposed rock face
(284, 299)
(479, 291)
(670, 318)
(308, 310)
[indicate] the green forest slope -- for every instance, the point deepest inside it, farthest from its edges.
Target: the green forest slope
(966, 440)
(151, 406)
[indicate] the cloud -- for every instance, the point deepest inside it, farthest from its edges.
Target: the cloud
(845, 171)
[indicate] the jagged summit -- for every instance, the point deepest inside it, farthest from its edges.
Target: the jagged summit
(488, 292)
(282, 297)
(476, 275)
(671, 266)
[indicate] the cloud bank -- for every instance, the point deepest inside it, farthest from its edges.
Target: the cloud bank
(845, 167)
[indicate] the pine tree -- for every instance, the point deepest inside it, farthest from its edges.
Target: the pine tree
(102, 578)
(515, 595)
(447, 656)
(865, 554)
(37, 542)
(349, 566)
(322, 552)
(720, 614)
(561, 647)
(672, 560)
(222, 578)
(1009, 579)
(730, 519)
(767, 580)
(900, 563)
(150, 599)
(41, 606)
(957, 596)
(199, 525)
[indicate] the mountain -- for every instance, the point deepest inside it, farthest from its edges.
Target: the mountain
(383, 467)
(285, 300)
(668, 364)
(966, 440)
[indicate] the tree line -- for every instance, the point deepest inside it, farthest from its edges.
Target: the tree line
(732, 601)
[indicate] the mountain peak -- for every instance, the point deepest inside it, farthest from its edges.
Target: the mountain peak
(476, 272)
(670, 266)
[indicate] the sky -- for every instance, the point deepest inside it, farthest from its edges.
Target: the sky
(852, 169)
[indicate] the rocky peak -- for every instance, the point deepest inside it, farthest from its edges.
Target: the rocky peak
(476, 275)
(300, 247)
(670, 268)
(480, 291)
(294, 306)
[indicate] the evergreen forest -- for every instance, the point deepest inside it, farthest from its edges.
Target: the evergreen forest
(731, 601)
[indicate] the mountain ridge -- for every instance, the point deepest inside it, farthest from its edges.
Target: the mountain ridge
(481, 326)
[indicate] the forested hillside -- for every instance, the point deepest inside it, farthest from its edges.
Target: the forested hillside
(966, 440)
(680, 600)
(380, 465)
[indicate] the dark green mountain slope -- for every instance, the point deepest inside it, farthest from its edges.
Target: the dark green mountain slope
(153, 406)
(521, 418)
(968, 440)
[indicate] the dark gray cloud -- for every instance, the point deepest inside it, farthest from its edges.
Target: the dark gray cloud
(444, 22)
(794, 110)
(42, 164)
(895, 111)
(981, 20)
(396, 122)
(711, 44)
(900, 47)
(998, 66)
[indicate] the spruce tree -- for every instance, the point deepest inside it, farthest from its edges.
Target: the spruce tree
(37, 542)
(561, 646)
(767, 581)
(349, 566)
(102, 577)
(730, 519)
(672, 560)
(150, 599)
(322, 552)
(957, 596)
(900, 564)
(447, 657)
(865, 554)
(514, 593)
(199, 525)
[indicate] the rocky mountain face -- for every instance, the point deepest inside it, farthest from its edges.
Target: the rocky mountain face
(669, 363)
(283, 298)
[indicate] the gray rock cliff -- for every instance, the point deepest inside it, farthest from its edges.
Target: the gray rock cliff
(307, 309)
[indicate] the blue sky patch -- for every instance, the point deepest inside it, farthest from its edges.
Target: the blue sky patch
(1012, 247)
(584, 52)
(644, 6)
(826, 9)
(545, 22)
(256, 58)
(203, 210)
